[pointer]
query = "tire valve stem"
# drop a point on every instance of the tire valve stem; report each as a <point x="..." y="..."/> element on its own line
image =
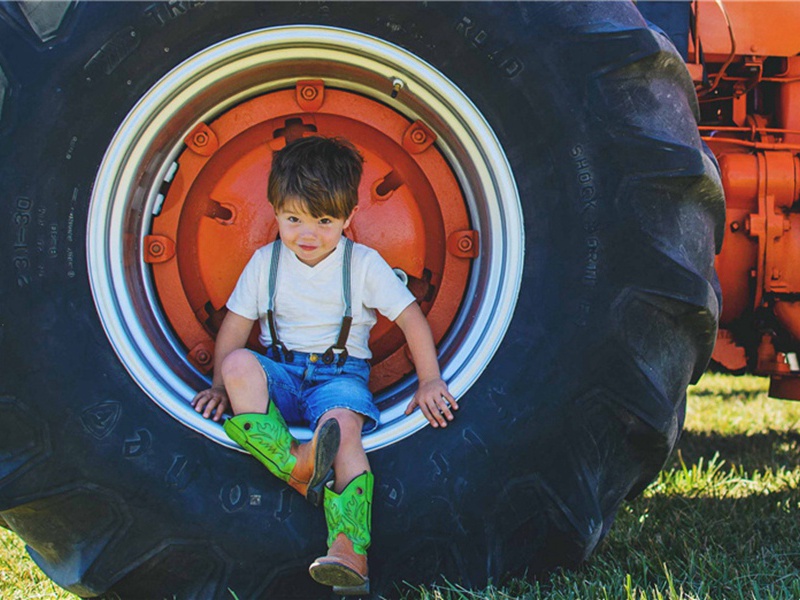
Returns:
<point x="397" y="85"/>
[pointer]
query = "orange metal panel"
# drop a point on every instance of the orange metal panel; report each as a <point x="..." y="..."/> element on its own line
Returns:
<point x="764" y="28"/>
<point x="217" y="212"/>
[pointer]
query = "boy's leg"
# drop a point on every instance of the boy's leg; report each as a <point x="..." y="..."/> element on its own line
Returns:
<point x="351" y="459"/>
<point x="259" y="428"/>
<point x="246" y="382"/>
<point x="348" y="512"/>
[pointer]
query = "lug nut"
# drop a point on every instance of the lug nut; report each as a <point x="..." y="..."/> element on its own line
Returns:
<point x="419" y="137"/>
<point x="200" y="139"/>
<point x="308" y="93"/>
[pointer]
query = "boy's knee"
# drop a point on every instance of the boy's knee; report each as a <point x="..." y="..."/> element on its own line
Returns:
<point x="238" y="365"/>
<point x="350" y="423"/>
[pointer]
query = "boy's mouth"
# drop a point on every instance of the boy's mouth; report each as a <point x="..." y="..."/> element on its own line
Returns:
<point x="307" y="248"/>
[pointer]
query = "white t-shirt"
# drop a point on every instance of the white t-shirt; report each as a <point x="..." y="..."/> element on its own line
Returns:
<point x="309" y="302"/>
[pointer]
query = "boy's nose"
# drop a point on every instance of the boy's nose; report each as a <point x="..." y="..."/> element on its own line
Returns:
<point x="307" y="231"/>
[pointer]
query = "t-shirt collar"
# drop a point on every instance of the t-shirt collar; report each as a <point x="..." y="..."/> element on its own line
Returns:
<point x="322" y="265"/>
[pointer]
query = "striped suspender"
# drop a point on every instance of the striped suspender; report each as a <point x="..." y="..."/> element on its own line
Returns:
<point x="340" y="347"/>
<point x="277" y="345"/>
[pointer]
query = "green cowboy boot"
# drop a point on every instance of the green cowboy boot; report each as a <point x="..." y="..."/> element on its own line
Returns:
<point x="349" y="518"/>
<point x="306" y="467"/>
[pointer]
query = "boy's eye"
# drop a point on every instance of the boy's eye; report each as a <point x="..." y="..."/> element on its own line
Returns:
<point x="293" y="219"/>
<point x="325" y="221"/>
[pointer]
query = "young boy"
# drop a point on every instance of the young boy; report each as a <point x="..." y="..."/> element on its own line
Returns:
<point x="314" y="293"/>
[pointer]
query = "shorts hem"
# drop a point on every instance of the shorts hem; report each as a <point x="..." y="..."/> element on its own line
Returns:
<point x="369" y="426"/>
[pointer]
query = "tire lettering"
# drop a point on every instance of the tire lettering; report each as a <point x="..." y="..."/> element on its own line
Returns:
<point x="20" y="256"/>
<point x="233" y="496"/>
<point x="392" y="492"/>
<point x="587" y="199"/>
<point x="71" y="234"/>
<point x="441" y="465"/>
<point x="138" y="444"/>
<point x="178" y="475"/>
<point x="511" y="67"/>
<point x="164" y="12"/>
<point x="100" y="419"/>
<point x="496" y="50"/>
<point x="464" y="26"/>
<point x="71" y="148"/>
<point x="110" y="55"/>
<point x="475" y="441"/>
<point x="52" y="250"/>
<point x="285" y="505"/>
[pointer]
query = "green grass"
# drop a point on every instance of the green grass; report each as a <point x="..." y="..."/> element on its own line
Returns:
<point x="20" y="578"/>
<point x="720" y="522"/>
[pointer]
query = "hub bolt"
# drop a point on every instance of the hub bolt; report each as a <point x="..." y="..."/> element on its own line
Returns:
<point x="308" y="92"/>
<point x="200" y="139"/>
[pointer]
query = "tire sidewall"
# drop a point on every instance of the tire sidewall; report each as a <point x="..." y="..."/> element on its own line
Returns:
<point x="451" y="486"/>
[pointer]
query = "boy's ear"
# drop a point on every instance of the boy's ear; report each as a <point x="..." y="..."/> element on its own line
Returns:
<point x="350" y="218"/>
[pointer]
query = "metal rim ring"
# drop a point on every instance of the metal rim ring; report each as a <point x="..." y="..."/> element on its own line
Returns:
<point x="146" y="144"/>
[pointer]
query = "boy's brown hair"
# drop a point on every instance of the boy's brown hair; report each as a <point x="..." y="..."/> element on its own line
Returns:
<point x="322" y="173"/>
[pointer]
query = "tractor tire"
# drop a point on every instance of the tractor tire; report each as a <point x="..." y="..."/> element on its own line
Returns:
<point x="577" y="408"/>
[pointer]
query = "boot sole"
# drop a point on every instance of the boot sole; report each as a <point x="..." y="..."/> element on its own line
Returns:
<point x="328" y="440"/>
<point x="344" y="580"/>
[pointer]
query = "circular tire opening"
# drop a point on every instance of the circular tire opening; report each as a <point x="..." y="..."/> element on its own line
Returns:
<point x="180" y="204"/>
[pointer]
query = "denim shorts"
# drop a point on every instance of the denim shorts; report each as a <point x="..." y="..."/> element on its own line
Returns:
<point x="305" y="388"/>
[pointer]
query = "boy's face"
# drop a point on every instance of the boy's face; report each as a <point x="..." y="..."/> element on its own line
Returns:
<point x="310" y="238"/>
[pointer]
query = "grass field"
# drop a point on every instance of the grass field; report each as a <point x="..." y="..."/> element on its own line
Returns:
<point x="722" y="521"/>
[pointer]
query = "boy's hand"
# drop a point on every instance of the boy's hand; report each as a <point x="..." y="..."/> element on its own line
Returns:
<point x="213" y="398"/>
<point x="435" y="402"/>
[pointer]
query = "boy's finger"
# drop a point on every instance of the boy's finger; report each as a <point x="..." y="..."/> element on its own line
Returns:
<point x="448" y="398"/>
<point x="410" y="407"/>
<point x="428" y="415"/>
<point x="444" y="408"/>
<point x="436" y="411"/>
<point x="210" y="406"/>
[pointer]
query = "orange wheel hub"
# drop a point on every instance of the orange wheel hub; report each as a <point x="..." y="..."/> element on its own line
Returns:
<point x="215" y="213"/>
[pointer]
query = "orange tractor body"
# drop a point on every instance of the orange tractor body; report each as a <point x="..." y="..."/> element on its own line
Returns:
<point x="743" y="57"/>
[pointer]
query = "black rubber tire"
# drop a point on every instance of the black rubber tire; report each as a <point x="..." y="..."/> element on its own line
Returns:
<point x="579" y="408"/>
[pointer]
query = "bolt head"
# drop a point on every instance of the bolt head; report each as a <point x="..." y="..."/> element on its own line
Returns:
<point x="200" y="139"/>
<point x="418" y="136"/>
<point x="308" y="92"/>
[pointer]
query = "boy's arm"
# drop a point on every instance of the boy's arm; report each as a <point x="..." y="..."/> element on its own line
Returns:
<point x="232" y="335"/>
<point x="432" y="397"/>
